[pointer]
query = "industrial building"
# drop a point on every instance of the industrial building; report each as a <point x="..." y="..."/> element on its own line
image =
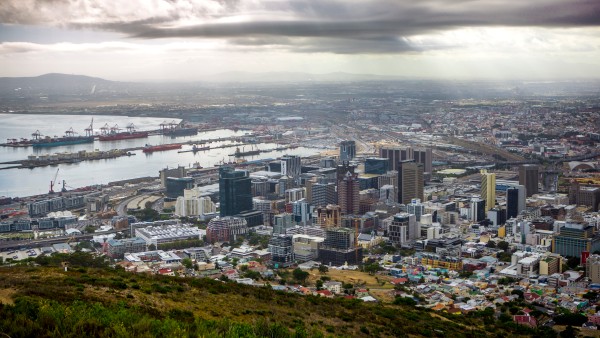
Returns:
<point x="155" y="235"/>
<point x="116" y="248"/>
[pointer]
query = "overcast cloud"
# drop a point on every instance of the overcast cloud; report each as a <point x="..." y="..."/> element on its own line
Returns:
<point x="356" y="30"/>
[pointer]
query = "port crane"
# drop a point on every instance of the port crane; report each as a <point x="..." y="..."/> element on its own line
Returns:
<point x="53" y="182"/>
<point x="89" y="131"/>
<point x="65" y="186"/>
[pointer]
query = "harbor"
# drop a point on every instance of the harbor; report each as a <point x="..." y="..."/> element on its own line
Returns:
<point x="213" y="143"/>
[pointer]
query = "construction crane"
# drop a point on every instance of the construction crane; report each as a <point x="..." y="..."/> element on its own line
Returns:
<point x="53" y="182"/>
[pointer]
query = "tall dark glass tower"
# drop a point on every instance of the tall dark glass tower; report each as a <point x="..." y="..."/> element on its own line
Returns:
<point x="235" y="191"/>
<point x="512" y="202"/>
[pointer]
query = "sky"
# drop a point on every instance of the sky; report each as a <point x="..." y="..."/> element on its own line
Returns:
<point x="192" y="40"/>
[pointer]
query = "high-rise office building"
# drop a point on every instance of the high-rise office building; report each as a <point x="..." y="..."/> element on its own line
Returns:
<point x="515" y="201"/>
<point x="282" y="250"/>
<point x="416" y="208"/>
<point x="497" y="216"/>
<point x="235" y="191"/>
<point x="396" y="155"/>
<point x="291" y="165"/>
<point x="488" y="189"/>
<point x="176" y="185"/>
<point x="574" y="238"/>
<point x="425" y="157"/>
<point x="348" y="194"/>
<point x="302" y="212"/>
<point x="339" y="247"/>
<point x="377" y="165"/>
<point x="281" y="223"/>
<point x="410" y="181"/>
<point x="342" y="169"/>
<point x="329" y="216"/>
<point x="321" y="194"/>
<point x="403" y="228"/>
<point x="478" y="213"/>
<point x="529" y="177"/>
<point x="347" y="150"/>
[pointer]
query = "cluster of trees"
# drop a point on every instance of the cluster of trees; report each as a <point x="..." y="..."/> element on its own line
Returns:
<point x="183" y="244"/>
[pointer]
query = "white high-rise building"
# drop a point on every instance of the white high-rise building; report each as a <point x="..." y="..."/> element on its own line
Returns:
<point x="192" y="204"/>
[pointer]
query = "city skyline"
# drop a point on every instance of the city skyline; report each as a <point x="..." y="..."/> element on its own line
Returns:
<point x="192" y="41"/>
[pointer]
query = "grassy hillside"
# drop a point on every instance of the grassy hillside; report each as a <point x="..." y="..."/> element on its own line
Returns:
<point x="86" y="301"/>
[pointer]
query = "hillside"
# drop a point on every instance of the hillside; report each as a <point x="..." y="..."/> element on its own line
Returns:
<point x="86" y="301"/>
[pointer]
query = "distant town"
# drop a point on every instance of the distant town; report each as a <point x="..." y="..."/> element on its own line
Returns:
<point x="452" y="203"/>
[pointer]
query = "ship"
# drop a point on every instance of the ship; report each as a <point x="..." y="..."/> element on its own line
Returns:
<point x="68" y="139"/>
<point x="150" y="149"/>
<point x="239" y="153"/>
<point x="174" y="129"/>
<point x="181" y="131"/>
<point x="195" y="148"/>
<point x="113" y="134"/>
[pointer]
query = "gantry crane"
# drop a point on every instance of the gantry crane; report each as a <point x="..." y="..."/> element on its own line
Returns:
<point x="53" y="182"/>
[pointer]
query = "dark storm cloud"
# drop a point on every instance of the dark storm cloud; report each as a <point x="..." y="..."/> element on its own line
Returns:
<point x="379" y="26"/>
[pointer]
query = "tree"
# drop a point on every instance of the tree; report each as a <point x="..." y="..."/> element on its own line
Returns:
<point x="151" y="247"/>
<point x="590" y="295"/>
<point x="319" y="284"/>
<point x="518" y="293"/>
<point x="568" y="332"/>
<point x="572" y="262"/>
<point x="187" y="263"/>
<point x="491" y="244"/>
<point x="90" y="229"/>
<point x="300" y="275"/>
<point x="503" y="245"/>
<point x="371" y="268"/>
<point x="323" y="268"/>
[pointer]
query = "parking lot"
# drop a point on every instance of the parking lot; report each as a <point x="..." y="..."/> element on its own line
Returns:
<point x="17" y="255"/>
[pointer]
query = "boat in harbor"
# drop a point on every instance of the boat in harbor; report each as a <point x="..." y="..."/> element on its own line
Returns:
<point x="163" y="147"/>
<point x="69" y="139"/>
<point x="113" y="134"/>
<point x="195" y="148"/>
<point x="174" y="129"/>
<point x="240" y="153"/>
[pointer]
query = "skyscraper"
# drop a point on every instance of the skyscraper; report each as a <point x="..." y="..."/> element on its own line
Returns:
<point x="291" y="165"/>
<point x="348" y="194"/>
<point x="397" y="155"/>
<point x="410" y="181"/>
<point x="376" y="165"/>
<point x="425" y="157"/>
<point x="403" y="228"/>
<point x="235" y="191"/>
<point x="416" y="208"/>
<point x="515" y="201"/>
<point x="347" y="150"/>
<point x="478" y="213"/>
<point x="488" y="189"/>
<point x="529" y="177"/>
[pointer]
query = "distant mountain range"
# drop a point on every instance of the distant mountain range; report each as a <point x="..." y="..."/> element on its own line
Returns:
<point x="51" y="84"/>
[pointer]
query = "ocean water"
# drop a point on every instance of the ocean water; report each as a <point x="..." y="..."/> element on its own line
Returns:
<point x="27" y="182"/>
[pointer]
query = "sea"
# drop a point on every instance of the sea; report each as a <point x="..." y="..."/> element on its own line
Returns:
<point x="28" y="182"/>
